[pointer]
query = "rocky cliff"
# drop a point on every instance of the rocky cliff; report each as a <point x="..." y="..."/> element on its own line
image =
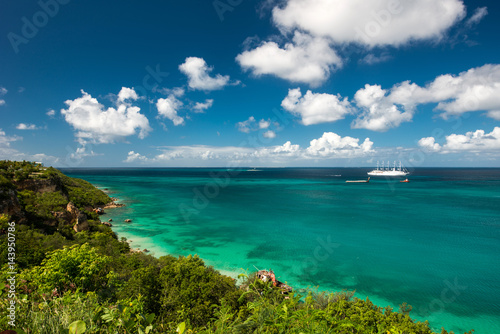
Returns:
<point x="32" y="194"/>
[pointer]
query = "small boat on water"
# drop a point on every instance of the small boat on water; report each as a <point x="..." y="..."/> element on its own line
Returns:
<point x="358" y="181"/>
<point x="405" y="181"/>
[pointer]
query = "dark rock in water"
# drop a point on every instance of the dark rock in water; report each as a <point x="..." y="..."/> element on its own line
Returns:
<point x="128" y="220"/>
<point x="112" y="205"/>
<point x="145" y="250"/>
<point x="110" y="220"/>
<point x="99" y="211"/>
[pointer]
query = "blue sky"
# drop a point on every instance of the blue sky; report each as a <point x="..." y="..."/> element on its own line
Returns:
<point x="250" y="83"/>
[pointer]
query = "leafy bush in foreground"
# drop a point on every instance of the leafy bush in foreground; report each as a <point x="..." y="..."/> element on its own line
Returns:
<point x="70" y="268"/>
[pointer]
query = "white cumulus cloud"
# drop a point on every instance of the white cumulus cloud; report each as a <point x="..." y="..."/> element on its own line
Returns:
<point x="429" y="144"/>
<point x="314" y="108"/>
<point x="372" y="23"/>
<point x="200" y="107"/>
<point x="269" y="134"/>
<point x="474" y="90"/>
<point x="251" y="125"/>
<point x="23" y="126"/>
<point x="474" y="142"/>
<point x="477" y="89"/>
<point x="198" y="73"/>
<point x="127" y="94"/>
<point x="477" y="141"/>
<point x="495" y="114"/>
<point x="306" y="59"/>
<point x="246" y="126"/>
<point x="168" y="108"/>
<point x="333" y="145"/>
<point x="263" y="124"/>
<point x="94" y="123"/>
<point x="378" y="113"/>
<point x="133" y="156"/>
<point x="321" y="29"/>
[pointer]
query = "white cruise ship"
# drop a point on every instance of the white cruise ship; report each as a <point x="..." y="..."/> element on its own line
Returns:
<point x="388" y="170"/>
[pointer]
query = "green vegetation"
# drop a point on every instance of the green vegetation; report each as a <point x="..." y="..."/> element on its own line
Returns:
<point x="90" y="282"/>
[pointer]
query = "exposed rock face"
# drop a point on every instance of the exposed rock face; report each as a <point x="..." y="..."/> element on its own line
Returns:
<point x="35" y="185"/>
<point x="9" y="205"/>
<point x="72" y="209"/>
<point x="80" y="219"/>
<point x="81" y="223"/>
<point x="40" y="185"/>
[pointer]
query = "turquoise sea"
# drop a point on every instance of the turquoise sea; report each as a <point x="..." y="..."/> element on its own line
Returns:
<point x="433" y="242"/>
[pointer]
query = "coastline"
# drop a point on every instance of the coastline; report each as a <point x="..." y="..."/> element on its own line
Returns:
<point x="153" y="212"/>
<point x="144" y="244"/>
<point x="138" y="243"/>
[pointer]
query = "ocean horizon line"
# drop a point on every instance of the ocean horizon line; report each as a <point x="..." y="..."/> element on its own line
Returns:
<point x="266" y="167"/>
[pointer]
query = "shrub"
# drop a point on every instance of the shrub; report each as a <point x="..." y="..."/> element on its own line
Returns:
<point x="78" y="266"/>
<point x="189" y="290"/>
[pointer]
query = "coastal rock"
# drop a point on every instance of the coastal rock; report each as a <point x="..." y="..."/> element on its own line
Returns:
<point x="110" y="220"/>
<point x="107" y="224"/>
<point x="99" y="211"/>
<point x="128" y="220"/>
<point x="112" y="205"/>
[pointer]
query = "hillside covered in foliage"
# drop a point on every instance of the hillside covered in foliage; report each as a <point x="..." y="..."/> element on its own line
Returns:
<point x="75" y="276"/>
